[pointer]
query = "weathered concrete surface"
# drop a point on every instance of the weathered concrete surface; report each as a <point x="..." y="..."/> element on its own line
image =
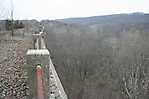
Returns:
<point x="58" y="91"/>
<point x="54" y="88"/>
<point x="35" y="57"/>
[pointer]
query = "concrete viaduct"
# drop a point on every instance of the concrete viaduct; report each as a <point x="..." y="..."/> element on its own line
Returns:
<point x="43" y="80"/>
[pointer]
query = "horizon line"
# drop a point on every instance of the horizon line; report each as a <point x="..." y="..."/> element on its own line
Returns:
<point x="39" y="20"/>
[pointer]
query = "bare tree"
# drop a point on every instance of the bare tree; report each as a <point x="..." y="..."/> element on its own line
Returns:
<point x="135" y="83"/>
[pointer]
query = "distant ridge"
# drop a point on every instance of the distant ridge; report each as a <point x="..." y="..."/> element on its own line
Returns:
<point x="116" y="18"/>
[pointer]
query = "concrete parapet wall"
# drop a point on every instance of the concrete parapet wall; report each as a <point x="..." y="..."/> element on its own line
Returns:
<point x="53" y="88"/>
<point x="35" y="57"/>
<point x="59" y="92"/>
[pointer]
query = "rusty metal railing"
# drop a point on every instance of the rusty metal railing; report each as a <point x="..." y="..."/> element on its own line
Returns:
<point x="40" y="83"/>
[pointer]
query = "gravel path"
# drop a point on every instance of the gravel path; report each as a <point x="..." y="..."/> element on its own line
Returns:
<point x="12" y="75"/>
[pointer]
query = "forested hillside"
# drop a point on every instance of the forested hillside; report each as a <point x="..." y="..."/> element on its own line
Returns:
<point x="102" y="57"/>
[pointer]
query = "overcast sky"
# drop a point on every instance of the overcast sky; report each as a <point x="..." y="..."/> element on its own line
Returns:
<point x="57" y="9"/>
